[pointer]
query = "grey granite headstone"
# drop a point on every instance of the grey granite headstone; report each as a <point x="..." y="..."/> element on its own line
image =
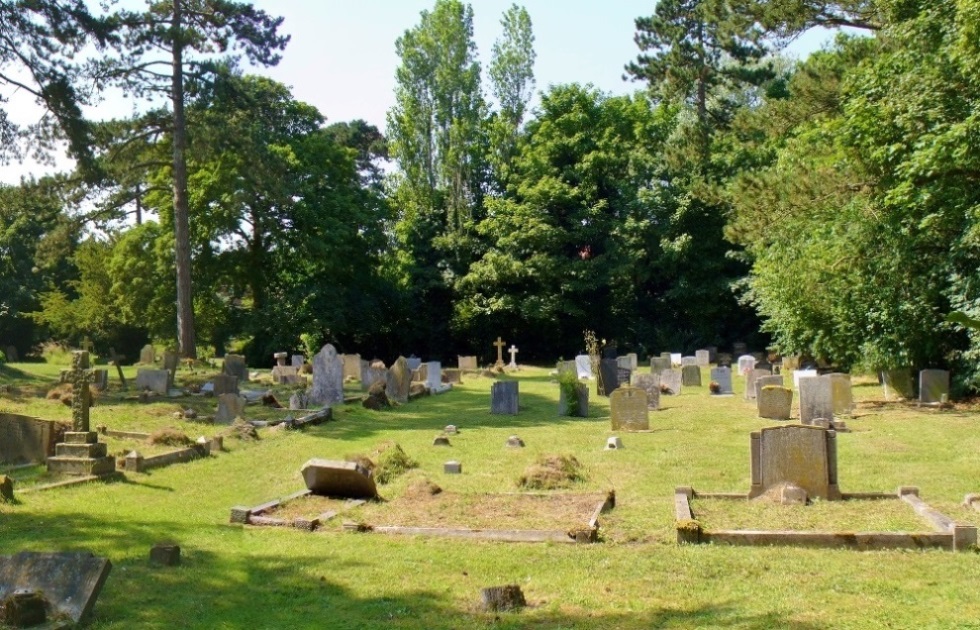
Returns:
<point x="608" y="376"/>
<point x="775" y="402"/>
<point x="148" y="355"/>
<point x="504" y="398"/>
<point x="843" y="397"/>
<point x="691" y="376"/>
<point x="650" y="383"/>
<point x="703" y="358"/>
<point x="230" y="406"/>
<point x="467" y="362"/>
<point x="333" y="478"/>
<point x="399" y="380"/>
<point x="688" y="360"/>
<point x="297" y="360"/>
<point x="746" y="362"/>
<point x="816" y="399"/>
<point x="328" y="377"/>
<point x="583" y="366"/>
<point x="156" y="381"/>
<point x="235" y="366"/>
<point x="723" y="376"/>
<point x="767" y="379"/>
<point x="933" y="386"/>
<point x="671" y="379"/>
<point x="628" y="409"/>
<point x="70" y="582"/>
<point x="750" y="378"/>
<point x="795" y="454"/>
<point x="582" y="402"/>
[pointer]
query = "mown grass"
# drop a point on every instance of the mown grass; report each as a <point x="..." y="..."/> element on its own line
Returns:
<point x="235" y="577"/>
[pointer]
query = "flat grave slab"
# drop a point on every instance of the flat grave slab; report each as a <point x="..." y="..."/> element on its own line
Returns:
<point x="70" y="582"/>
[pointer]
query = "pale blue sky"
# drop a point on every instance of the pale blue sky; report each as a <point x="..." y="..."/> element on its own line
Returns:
<point x="342" y="54"/>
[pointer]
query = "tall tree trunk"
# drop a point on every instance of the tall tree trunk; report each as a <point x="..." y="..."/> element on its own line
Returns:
<point x="185" y="295"/>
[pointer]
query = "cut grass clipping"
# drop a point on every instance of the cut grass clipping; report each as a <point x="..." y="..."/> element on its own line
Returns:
<point x="386" y="462"/>
<point x="551" y="472"/>
<point x="170" y="436"/>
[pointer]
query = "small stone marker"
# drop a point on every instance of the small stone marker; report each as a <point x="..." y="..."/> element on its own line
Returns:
<point x="691" y="376"/>
<point x="157" y="381"/>
<point x="628" y="410"/>
<point x="816" y="399"/>
<point x="450" y="429"/>
<point x="501" y="598"/>
<point x="614" y="444"/>
<point x="722" y="376"/>
<point x="328" y="377"/>
<point x="746" y="362"/>
<point x="466" y="363"/>
<point x="513" y="357"/>
<point x="452" y="468"/>
<point x="933" y="386"/>
<point x="280" y="358"/>
<point x="702" y="358"/>
<point x="440" y="440"/>
<point x="843" y="397"/>
<point x="70" y="582"/>
<point x="650" y="383"/>
<point x="671" y="379"/>
<point x="775" y="403"/>
<point x="515" y="442"/>
<point x="399" y="379"/>
<point x="583" y="366"/>
<point x="165" y="554"/>
<point x="504" y="398"/>
<point x="333" y="478"/>
<point x="230" y="406"/>
<point x="799" y="455"/>
<point x="499" y="343"/>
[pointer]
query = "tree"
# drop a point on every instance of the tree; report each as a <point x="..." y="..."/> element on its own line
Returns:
<point x="184" y="36"/>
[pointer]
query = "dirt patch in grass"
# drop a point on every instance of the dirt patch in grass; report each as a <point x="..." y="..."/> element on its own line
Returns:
<point x="309" y="506"/>
<point x="483" y="511"/>
<point x="884" y="515"/>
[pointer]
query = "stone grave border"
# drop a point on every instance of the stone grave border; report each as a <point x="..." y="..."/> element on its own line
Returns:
<point x="588" y="533"/>
<point x="115" y="475"/>
<point x="946" y="534"/>
<point x="257" y="515"/>
<point x="181" y="455"/>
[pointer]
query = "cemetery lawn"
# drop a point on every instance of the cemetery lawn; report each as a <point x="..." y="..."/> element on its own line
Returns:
<point x="636" y="576"/>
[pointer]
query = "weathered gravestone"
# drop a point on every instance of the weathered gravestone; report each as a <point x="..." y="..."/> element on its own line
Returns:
<point x="691" y="376"/>
<point x="580" y="407"/>
<point x="285" y="375"/>
<point x="433" y="378"/>
<point x="399" y="380"/>
<point x="566" y="367"/>
<point x="702" y="358"/>
<point x="230" y="406"/>
<point x="157" y="381"/>
<point x="746" y="362"/>
<point x="333" y="478"/>
<point x="633" y="361"/>
<point x="24" y="439"/>
<point x="235" y="366"/>
<point x="504" y="397"/>
<point x="352" y="366"/>
<point x="328" y="377"/>
<point x="775" y="402"/>
<point x="452" y="376"/>
<point x="688" y="360"/>
<point x="650" y="383"/>
<point x="843" y="397"/>
<point x="466" y="363"/>
<point x="659" y="364"/>
<point x="816" y="399"/>
<point x="751" y="376"/>
<point x="628" y="409"/>
<point x="421" y="373"/>
<point x="722" y="376"/>
<point x="100" y="379"/>
<point x="171" y="360"/>
<point x="414" y="362"/>
<point x="371" y="373"/>
<point x="766" y="380"/>
<point x="297" y="360"/>
<point x="799" y="455"/>
<point x="897" y="384"/>
<point x="608" y="376"/>
<point x="148" y="355"/>
<point x="69" y="582"/>
<point x="225" y="384"/>
<point x="670" y="382"/>
<point x="933" y="386"/>
<point x="800" y="374"/>
<point x="623" y="362"/>
<point x="583" y="366"/>
<point x="513" y="358"/>
<point x="12" y="355"/>
<point x="299" y="400"/>
<point x="712" y="353"/>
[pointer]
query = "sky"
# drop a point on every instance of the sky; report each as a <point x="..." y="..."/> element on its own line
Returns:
<point x="341" y="57"/>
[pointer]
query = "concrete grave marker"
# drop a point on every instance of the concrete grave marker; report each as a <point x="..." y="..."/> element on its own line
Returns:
<point x="583" y="366"/>
<point x="765" y="380"/>
<point x="650" y="383"/>
<point x="702" y="358"/>
<point x="816" y="399"/>
<point x="399" y="380"/>
<point x="230" y="406"/>
<point x="933" y="386"/>
<point x="352" y="366"/>
<point x="157" y="381"/>
<point x="751" y="376"/>
<point x="328" y="377"/>
<point x="723" y="376"/>
<point x="333" y="478"/>
<point x="795" y="454"/>
<point x="225" y="384"/>
<point x="691" y="376"/>
<point x="148" y="355"/>
<point x="897" y="384"/>
<point x="671" y="379"/>
<point x="504" y="398"/>
<point x="843" y="396"/>
<point x="775" y="402"/>
<point x="69" y="582"/>
<point x="628" y="409"/>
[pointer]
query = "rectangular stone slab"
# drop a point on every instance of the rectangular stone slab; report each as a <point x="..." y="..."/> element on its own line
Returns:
<point x="70" y="582"/>
<point x="333" y="478"/>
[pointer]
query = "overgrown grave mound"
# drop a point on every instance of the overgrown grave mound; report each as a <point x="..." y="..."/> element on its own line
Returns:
<point x="552" y="472"/>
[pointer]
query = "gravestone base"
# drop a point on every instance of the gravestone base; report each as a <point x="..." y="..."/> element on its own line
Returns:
<point x="81" y="454"/>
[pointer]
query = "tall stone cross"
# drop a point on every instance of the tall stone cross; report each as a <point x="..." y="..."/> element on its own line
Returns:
<point x="87" y="344"/>
<point x="500" y="352"/>
<point x="513" y="354"/>
<point x="81" y="398"/>
<point x="117" y="361"/>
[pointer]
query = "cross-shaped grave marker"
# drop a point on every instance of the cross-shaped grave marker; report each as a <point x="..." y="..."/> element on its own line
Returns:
<point x="86" y="344"/>
<point x="81" y="398"/>
<point x="500" y="352"/>
<point x="117" y="360"/>
<point x="513" y="354"/>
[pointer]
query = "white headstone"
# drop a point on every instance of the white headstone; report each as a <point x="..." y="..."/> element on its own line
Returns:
<point x="746" y="362"/>
<point x="433" y="378"/>
<point x="583" y="366"/>
<point x="513" y="357"/>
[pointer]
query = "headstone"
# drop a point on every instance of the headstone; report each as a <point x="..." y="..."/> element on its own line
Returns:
<point x="372" y="373"/>
<point x="165" y="554"/>
<point x="81" y="398"/>
<point x="723" y="376"/>
<point x="712" y="354"/>
<point x="399" y="380"/>
<point x="666" y="355"/>
<point x="583" y="366"/>
<point x="724" y="359"/>
<point x="691" y="376"/>
<point x="466" y="363"/>
<point x="235" y="366"/>
<point x="608" y="376"/>
<point x="421" y="373"/>
<point x="171" y="360"/>
<point x="751" y="376"/>
<point x="650" y="383"/>
<point x="675" y="358"/>
<point x="414" y="362"/>
<point x="623" y="362"/>
<point x="702" y="357"/>
<point x="775" y="403"/>
<point x="798" y="374"/>
<point x="299" y="400"/>
<point x="686" y="361"/>
<point x="897" y="384"/>
<point x="633" y="360"/>
<point x="328" y="377"/>
<point x="766" y="380"/>
<point x="581" y="402"/>
<point x="504" y="398"/>
<point x="746" y="362"/>
<point x="933" y="386"/>
<point x="795" y="454"/>
<point x="514" y="442"/>
<point x="628" y="409"/>
<point x="452" y="468"/>
<point x="566" y="367"/>
<point x="659" y="364"/>
<point x="230" y="406"/>
<point x="86" y="344"/>
<point x="816" y="399"/>
<point x="452" y="376"/>
<point x="225" y="384"/>
<point x="672" y="381"/>
<point x="843" y="397"/>
<point x="352" y="366"/>
<point x="610" y="350"/>
<point x="157" y="381"/>
<point x="280" y="357"/>
<point x="12" y="355"/>
<point x="297" y="360"/>
<point x="100" y="379"/>
<point x="333" y="478"/>
<point x="513" y="358"/>
<point x="284" y="375"/>
<point x="433" y="378"/>
<point x="739" y="348"/>
<point x="70" y="582"/>
<point x="499" y="343"/>
<point x="623" y="376"/>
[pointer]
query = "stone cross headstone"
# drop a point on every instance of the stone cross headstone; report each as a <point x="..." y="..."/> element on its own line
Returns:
<point x="297" y="360"/>
<point x="399" y="381"/>
<point x="467" y="362"/>
<point x="800" y="374"/>
<point x="933" y="386"/>
<point x="499" y="343"/>
<point x="751" y="376"/>
<point x="723" y="376"/>
<point x="799" y="455"/>
<point x="86" y="344"/>
<point x="766" y="380"/>
<point x="583" y="366"/>
<point x="775" y="402"/>
<point x="235" y="366"/>
<point x="672" y="381"/>
<point x="328" y="377"/>
<point x="691" y="376"/>
<point x="816" y="399"/>
<point x="608" y="376"/>
<point x="230" y="406"/>
<point x="117" y="361"/>
<point x="628" y="409"/>
<point x="148" y="355"/>
<point x="504" y="398"/>
<point x="650" y="383"/>
<point x="352" y="366"/>
<point x="513" y="357"/>
<point x="746" y="362"/>
<point x="81" y="398"/>
<point x="843" y="397"/>
<point x="702" y="357"/>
